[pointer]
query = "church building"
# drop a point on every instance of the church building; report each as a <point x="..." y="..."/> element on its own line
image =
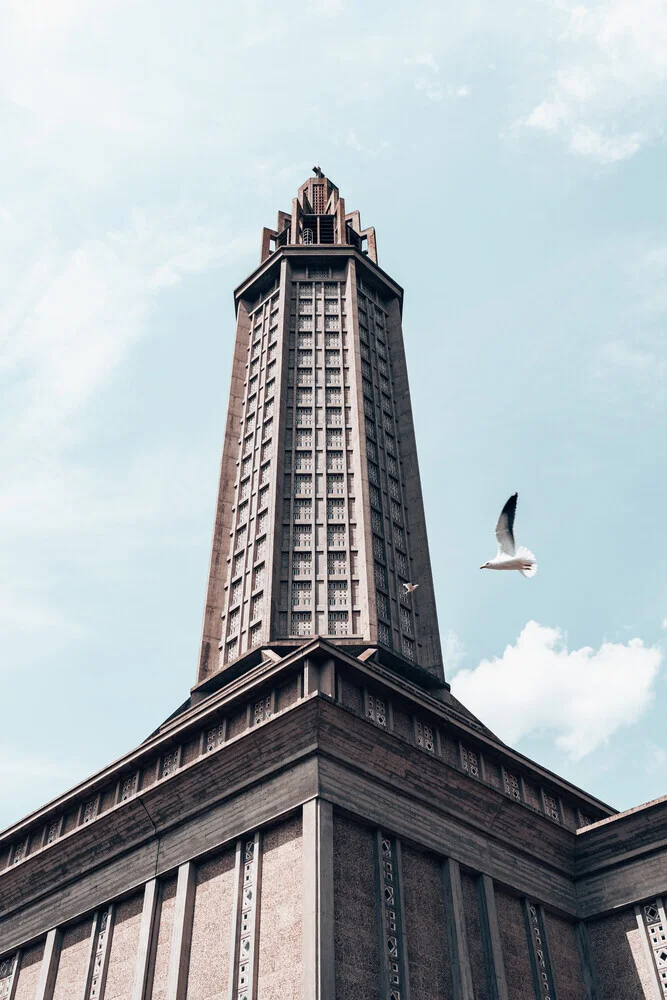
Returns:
<point x="322" y="819"/>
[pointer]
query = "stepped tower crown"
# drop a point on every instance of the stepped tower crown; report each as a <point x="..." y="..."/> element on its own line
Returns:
<point x="320" y="520"/>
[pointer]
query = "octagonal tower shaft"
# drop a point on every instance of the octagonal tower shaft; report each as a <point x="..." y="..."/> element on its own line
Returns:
<point x="320" y="520"/>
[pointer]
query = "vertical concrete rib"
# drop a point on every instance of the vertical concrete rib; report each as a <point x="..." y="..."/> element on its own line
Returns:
<point x="145" y="938"/>
<point x="491" y="938"/>
<point x="234" y="930"/>
<point x="587" y="966"/>
<point x="181" y="935"/>
<point x="49" y="968"/>
<point x="456" y="931"/>
<point x="245" y="920"/>
<point x="318" y="921"/>
<point x="100" y="947"/>
<point x="402" y="932"/>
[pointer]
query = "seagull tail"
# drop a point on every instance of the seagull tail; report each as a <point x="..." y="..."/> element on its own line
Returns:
<point x="526" y="554"/>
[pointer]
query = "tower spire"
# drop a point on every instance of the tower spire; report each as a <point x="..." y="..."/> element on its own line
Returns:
<point x="320" y="521"/>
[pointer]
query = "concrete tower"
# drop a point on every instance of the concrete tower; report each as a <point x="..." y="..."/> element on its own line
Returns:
<point x="321" y="819"/>
<point x="320" y="520"/>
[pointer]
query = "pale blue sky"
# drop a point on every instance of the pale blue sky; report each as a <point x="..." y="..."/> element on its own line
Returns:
<point x="511" y="156"/>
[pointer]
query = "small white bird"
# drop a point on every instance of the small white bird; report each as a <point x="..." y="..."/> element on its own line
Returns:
<point x="409" y="587"/>
<point x="508" y="557"/>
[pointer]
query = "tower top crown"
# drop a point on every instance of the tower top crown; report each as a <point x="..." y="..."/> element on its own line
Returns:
<point x="318" y="218"/>
<point x="319" y="195"/>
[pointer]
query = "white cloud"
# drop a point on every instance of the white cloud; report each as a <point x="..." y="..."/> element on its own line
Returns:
<point x="580" y="696"/>
<point x="610" y="71"/>
<point x="655" y="758"/>
<point x="433" y="89"/>
<point x="639" y="352"/>
<point x="352" y="140"/>
<point x="30" y="778"/>
<point x="452" y="652"/>
<point x="65" y="330"/>
<point x="326" y="8"/>
<point x="619" y="355"/>
<point x="76" y="315"/>
<point x="607" y="148"/>
<point x="426" y="59"/>
<point x="15" y="768"/>
<point x="428" y="82"/>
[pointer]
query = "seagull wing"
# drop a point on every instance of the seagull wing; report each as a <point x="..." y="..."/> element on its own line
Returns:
<point x="505" y="527"/>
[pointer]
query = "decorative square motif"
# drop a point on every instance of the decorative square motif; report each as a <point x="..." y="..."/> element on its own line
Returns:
<point x="376" y="710"/>
<point x="214" y="738"/>
<point x="425" y="737"/>
<point x="129" y="788"/>
<point x="89" y="811"/>
<point x="551" y="807"/>
<point x="52" y="834"/>
<point x="470" y="762"/>
<point x="512" y="786"/>
<point x="169" y="763"/>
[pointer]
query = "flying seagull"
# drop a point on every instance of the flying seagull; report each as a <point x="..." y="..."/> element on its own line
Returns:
<point x="508" y="557"/>
<point x="409" y="587"/>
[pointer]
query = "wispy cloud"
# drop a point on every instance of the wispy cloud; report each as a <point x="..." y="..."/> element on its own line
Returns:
<point x="453" y="651"/>
<point x="379" y="148"/>
<point x="620" y="356"/>
<point x="609" y="74"/>
<point x="655" y="758"/>
<point x="428" y="80"/>
<point x="75" y="317"/>
<point x="539" y="687"/>
<point x="639" y="351"/>
<point x="66" y="330"/>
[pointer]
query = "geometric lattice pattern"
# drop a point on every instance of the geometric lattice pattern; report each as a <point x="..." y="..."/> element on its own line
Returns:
<point x="654" y="923"/>
<point x="512" y="785"/>
<point x="539" y="952"/>
<point x="424" y="736"/>
<point x="244" y="613"/>
<point x="551" y="808"/>
<point x="388" y="510"/>
<point x="318" y="594"/>
<point x="246" y="952"/>
<point x="7" y="973"/>
<point x="470" y="762"/>
<point x="376" y="710"/>
<point x="99" y="958"/>
<point x="390" y="919"/>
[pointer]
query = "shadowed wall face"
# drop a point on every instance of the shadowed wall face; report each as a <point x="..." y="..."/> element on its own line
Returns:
<point x="515" y="945"/>
<point x="622" y="963"/>
<point x="565" y="959"/>
<point x="428" y="945"/>
<point x="478" y="959"/>
<point x="355" y="912"/>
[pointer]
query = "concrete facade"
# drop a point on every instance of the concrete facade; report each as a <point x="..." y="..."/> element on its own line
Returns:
<point x="320" y="520"/>
<point x="322" y="819"/>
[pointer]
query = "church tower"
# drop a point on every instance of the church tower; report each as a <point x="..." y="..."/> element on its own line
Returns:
<point x="321" y="819"/>
<point x="320" y="521"/>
